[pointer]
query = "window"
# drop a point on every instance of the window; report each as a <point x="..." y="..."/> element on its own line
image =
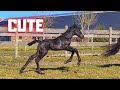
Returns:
<point x="37" y="38"/>
<point x="5" y="38"/>
<point x="20" y="37"/>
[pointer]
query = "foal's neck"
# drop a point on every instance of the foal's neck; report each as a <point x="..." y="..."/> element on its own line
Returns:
<point x="68" y="34"/>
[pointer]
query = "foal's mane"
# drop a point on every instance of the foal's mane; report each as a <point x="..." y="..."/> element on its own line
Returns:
<point x="72" y="27"/>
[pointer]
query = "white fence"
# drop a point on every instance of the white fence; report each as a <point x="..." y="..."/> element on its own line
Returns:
<point x="56" y="32"/>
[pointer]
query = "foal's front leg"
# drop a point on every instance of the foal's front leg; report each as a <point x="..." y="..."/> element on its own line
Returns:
<point x="73" y="50"/>
<point x="70" y="59"/>
<point x="79" y="59"/>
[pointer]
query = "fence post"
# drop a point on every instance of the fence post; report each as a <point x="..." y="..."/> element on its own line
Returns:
<point x="116" y="39"/>
<point x="110" y="36"/>
<point x="66" y="52"/>
<point x="92" y="41"/>
<point x="25" y="43"/>
<point x="16" y="44"/>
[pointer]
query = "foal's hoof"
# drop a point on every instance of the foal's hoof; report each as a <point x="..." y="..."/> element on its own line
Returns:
<point x="78" y="64"/>
<point x="40" y="72"/>
<point x="21" y="71"/>
<point x="67" y="61"/>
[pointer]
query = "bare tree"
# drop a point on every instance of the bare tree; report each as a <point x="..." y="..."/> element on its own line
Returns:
<point x="48" y="22"/>
<point x="80" y="20"/>
<point x="48" y="19"/>
<point x="85" y="20"/>
<point x="91" y="19"/>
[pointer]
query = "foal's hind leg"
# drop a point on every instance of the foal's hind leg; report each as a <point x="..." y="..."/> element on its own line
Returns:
<point x="29" y="60"/>
<point x="37" y="60"/>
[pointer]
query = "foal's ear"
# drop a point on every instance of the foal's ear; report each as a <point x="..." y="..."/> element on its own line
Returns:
<point x="75" y="25"/>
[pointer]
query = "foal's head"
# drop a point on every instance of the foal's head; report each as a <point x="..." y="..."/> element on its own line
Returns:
<point x="77" y="31"/>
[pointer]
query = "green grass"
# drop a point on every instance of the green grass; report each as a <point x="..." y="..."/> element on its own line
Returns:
<point x="5" y="50"/>
<point x="92" y="67"/>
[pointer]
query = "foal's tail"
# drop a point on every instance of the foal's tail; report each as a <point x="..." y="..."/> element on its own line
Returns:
<point x="33" y="42"/>
<point x="113" y="49"/>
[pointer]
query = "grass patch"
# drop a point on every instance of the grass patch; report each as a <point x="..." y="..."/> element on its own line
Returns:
<point x="10" y="50"/>
<point x="92" y="67"/>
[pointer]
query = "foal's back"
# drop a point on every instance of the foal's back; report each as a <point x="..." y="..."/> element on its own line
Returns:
<point x="55" y="44"/>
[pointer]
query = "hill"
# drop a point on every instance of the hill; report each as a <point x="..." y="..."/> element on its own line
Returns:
<point x="107" y="19"/>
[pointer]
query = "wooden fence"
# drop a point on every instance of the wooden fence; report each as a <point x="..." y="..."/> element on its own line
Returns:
<point x="56" y="32"/>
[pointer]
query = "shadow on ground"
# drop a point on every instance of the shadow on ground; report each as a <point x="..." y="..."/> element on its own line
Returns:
<point x="63" y="69"/>
<point x="107" y="65"/>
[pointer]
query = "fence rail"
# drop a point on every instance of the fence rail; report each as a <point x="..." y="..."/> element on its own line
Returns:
<point x="57" y="32"/>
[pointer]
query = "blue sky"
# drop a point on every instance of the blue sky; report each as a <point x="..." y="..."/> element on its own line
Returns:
<point x="8" y="14"/>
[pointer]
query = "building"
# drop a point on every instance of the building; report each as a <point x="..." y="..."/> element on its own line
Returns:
<point x="106" y="18"/>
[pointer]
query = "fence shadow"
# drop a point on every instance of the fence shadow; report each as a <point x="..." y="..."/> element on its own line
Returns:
<point x="108" y="65"/>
